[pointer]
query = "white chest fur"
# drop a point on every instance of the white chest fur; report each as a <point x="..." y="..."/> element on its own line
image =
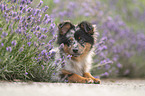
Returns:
<point x="79" y="67"/>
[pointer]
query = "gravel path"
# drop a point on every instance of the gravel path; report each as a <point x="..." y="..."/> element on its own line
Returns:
<point x="106" y="88"/>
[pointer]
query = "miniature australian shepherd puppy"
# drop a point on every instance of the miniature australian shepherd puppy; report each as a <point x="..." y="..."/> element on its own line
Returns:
<point x="78" y="42"/>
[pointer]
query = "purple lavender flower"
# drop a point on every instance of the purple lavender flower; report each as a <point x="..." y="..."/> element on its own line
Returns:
<point x="119" y="65"/>
<point x="41" y="44"/>
<point x="57" y="61"/>
<point x="29" y="43"/>
<point x="52" y="25"/>
<point x="44" y="30"/>
<point x="53" y="40"/>
<point x="17" y="18"/>
<point x="29" y="10"/>
<point x="4" y="34"/>
<point x="52" y="53"/>
<point x="45" y="8"/>
<point x="26" y="73"/>
<point x="12" y="1"/>
<point x="48" y="47"/>
<point x="21" y="49"/>
<point x="104" y="47"/>
<point x="47" y="21"/>
<point x="42" y="37"/>
<point x="29" y="18"/>
<point x="14" y="14"/>
<point x="106" y="74"/>
<point x="18" y="31"/>
<point x="6" y="15"/>
<point x="14" y="43"/>
<point x="38" y="34"/>
<point x="2" y="44"/>
<point x="87" y="14"/>
<point x="107" y="66"/>
<point x="56" y="1"/>
<point x="40" y="3"/>
<point x="9" y="49"/>
<point x="63" y="63"/>
<point x="115" y="58"/>
<point x="23" y="2"/>
<point x="43" y="52"/>
<point x="69" y="56"/>
<point x="37" y="28"/>
<point x="46" y="17"/>
<point x="24" y="9"/>
<point x="37" y="11"/>
<point x="3" y="7"/>
<point x="32" y="30"/>
<point x="1" y="29"/>
<point x="29" y="36"/>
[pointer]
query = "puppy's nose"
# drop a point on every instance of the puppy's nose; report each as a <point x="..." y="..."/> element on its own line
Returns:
<point x="75" y="50"/>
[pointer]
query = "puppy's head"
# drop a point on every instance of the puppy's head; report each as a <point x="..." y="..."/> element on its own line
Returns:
<point x="77" y="39"/>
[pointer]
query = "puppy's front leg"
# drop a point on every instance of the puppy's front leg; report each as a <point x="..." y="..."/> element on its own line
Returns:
<point x="74" y="78"/>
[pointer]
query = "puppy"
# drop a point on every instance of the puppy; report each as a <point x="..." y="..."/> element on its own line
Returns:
<point x="78" y="41"/>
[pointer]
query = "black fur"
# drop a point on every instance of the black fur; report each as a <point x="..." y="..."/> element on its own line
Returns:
<point x="82" y="35"/>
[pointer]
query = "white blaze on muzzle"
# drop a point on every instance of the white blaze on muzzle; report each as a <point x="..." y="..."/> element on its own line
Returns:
<point x="74" y="43"/>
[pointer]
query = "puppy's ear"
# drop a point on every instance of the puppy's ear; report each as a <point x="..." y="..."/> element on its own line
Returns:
<point x="64" y="27"/>
<point x="87" y="27"/>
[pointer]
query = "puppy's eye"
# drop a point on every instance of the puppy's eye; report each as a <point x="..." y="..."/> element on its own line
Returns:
<point x="69" y="42"/>
<point x="79" y="38"/>
<point x="81" y="41"/>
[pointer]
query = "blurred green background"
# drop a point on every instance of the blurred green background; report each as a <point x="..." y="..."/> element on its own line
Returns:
<point x="127" y="9"/>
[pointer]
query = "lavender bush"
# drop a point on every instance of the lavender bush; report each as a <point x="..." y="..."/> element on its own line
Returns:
<point x="26" y="36"/>
<point x="128" y="52"/>
<point x="132" y="12"/>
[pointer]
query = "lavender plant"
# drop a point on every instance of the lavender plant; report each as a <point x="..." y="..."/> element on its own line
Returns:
<point x="27" y="35"/>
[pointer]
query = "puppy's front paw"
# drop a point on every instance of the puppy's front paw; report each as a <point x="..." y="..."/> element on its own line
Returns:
<point x="97" y="81"/>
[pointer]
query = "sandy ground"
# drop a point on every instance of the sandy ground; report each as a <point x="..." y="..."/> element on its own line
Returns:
<point x="106" y="88"/>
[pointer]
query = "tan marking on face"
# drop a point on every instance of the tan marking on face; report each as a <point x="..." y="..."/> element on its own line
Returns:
<point x="66" y="49"/>
<point x="84" y="51"/>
